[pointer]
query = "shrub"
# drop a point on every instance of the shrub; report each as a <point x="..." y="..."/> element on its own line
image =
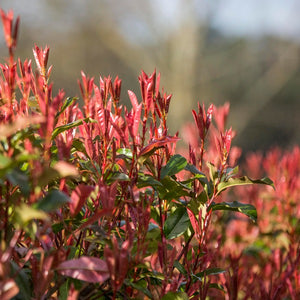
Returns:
<point x="96" y="203"/>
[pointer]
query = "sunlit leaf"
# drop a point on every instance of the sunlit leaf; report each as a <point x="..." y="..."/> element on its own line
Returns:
<point x="242" y="181"/>
<point x="24" y="213"/>
<point x="246" y="209"/>
<point x="158" y="143"/>
<point x="65" y="169"/>
<point x="4" y="161"/>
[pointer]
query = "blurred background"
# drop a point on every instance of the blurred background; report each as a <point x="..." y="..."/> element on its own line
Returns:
<point x="212" y="51"/>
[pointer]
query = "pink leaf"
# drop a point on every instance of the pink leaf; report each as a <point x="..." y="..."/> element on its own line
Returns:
<point x="90" y="269"/>
<point x="133" y="99"/>
<point x="78" y="197"/>
<point x="157" y="143"/>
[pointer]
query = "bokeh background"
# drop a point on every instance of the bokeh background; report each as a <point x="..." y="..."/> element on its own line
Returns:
<point x="212" y="51"/>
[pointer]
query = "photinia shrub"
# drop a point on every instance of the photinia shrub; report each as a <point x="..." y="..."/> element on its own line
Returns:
<point x="97" y="204"/>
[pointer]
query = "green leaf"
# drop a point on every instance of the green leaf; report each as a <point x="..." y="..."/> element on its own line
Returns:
<point x="119" y="176"/>
<point x="4" y="161"/>
<point x="66" y="104"/>
<point x="18" y="178"/>
<point x="211" y="271"/>
<point x="147" y="180"/>
<point x="22" y="280"/>
<point x="246" y="209"/>
<point x="175" y="296"/>
<point x="242" y="181"/>
<point x="177" y="223"/>
<point x="125" y="152"/>
<point x="199" y="176"/>
<point x="141" y="286"/>
<point x="76" y="123"/>
<point x="24" y="213"/>
<point x="217" y="286"/>
<point x="180" y="267"/>
<point x="172" y="189"/>
<point x="176" y="164"/>
<point x="53" y="200"/>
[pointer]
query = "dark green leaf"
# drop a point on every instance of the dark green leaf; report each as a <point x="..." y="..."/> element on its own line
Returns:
<point x="176" y="164"/>
<point x="141" y="286"/>
<point x="175" y="296"/>
<point x="246" y="209"/>
<point x="217" y="286"/>
<point x="172" y="189"/>
<point x="199" y="176"/>
<point x="242" y="181"/>
<point x="180" y="267"/>
<point x="211" y="271"/>
<point x="177" y="223"/>
<point x="147" y="180"/>
<point x="22" y="280"/>
<point x="18" y="178"/>
<point x="53" y="200"/>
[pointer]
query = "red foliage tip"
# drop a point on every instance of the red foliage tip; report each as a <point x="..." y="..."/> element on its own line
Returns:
<point x="41" y="58"/>
<point x="10" y="31"/>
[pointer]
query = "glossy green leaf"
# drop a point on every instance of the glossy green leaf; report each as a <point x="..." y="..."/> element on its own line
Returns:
<point x="176" y="223"/>
<point x="175" y="296"/>
<point x="53" y="200"/>
<point x="172" y="189"/>
<point x="246" y="209"/>
<point x="69" y="101"/>
<point x="68" y="126"/>
<point x="242" y="181"/>
<point x="176" y="164"/>
<point x="199" y="176"/>
<point x="148" y="180"/>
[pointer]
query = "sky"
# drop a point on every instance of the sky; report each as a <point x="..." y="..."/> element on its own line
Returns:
<point x="232" y="17"/>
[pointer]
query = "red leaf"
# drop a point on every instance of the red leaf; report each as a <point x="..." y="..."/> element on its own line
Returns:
<point x="157" y="143"/>
<point x="90" y="269"/>
<point x="194" y="222"/>
<point x="78" y="197"/>
<point x="133" y="99"/>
